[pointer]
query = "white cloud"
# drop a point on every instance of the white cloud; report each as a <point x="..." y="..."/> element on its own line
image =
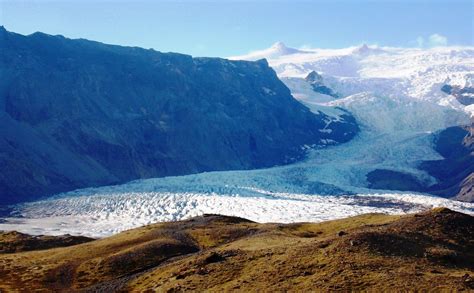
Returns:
<point x="436" y="40"/>
<point x="420" y="41"/>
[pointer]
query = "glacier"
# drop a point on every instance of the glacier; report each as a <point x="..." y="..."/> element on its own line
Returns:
<point x="395" y="96"/>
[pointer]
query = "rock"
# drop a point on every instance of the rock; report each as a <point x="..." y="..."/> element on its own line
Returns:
<point x="464" y="95"/>
<point x="468" y="281"/>
<point x="213" y="258"/>
<point x="317" y="83"/>
<point x="202" y="271"/>
<point x="341" y="233"/>
<point x="455" y="173"/>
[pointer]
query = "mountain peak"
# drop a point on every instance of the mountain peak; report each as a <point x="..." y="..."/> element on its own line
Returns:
<point x="365" y="49"/>
<point x="279" y="46"/>
<point x="275" y="51"/>
<point x="313" y="76"/>
<point x="279" y="49"/>
<point x="362" y="49"/>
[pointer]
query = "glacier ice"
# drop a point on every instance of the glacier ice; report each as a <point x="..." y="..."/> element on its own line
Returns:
<point x="394" y="94"/>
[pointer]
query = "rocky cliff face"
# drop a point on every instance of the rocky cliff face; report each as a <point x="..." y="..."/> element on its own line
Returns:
<point x="317" y="84"/>
<point x="77" y="113"/>
<point x="455" y="173"/>
<point x="465" y="95"/>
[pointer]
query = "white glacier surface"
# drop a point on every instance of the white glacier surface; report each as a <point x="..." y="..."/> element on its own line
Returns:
<point x="329" y="184"/>
<point x="106" y="213"/>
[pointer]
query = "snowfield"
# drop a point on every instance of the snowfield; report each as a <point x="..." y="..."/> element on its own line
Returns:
<point x="382" y="71"/>
<point x="395" y="96"/>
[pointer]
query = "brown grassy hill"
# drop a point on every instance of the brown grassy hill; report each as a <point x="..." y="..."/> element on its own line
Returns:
<point x="430" y="250"/>
<point x="17" y="242"/>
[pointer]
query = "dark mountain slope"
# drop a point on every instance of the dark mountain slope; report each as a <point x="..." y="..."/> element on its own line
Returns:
<point x="465" y="95"/>
<point x="317" y="84"/>
<point x="454" y="173"/>
<point x="76" y="113"/>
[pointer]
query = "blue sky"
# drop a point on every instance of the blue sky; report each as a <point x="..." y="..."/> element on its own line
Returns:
<point x="225" y="28"/>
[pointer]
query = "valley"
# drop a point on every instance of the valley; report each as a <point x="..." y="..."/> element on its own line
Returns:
<point x="393" y="119"/>
<point x="236" y="146"/>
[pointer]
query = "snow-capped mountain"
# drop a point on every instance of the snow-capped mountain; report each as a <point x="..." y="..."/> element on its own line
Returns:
<point x="277" y="50"/>
<point x="391" y="91"/>
<point x="408" y="72"/>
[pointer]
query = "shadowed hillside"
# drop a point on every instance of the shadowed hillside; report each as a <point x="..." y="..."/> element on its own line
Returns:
<point x="18" y="242"/>
<point x="430" y="250"/>
<point x="454" y="173"/>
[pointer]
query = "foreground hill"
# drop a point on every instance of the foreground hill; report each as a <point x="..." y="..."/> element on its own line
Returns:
<point x="430" y="250"/>
<point x="77" y="113"/>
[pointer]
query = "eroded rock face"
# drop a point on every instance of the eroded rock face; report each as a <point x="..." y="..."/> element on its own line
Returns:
<point x="454" y="173"/>
<point x="77" y="113"/>
<point x="465" y="95"/>
<point x="317" y="84"/>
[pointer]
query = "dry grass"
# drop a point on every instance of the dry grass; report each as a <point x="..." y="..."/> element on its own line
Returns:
<point x="432" y="250"/>
<point x="18" y="242"/>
